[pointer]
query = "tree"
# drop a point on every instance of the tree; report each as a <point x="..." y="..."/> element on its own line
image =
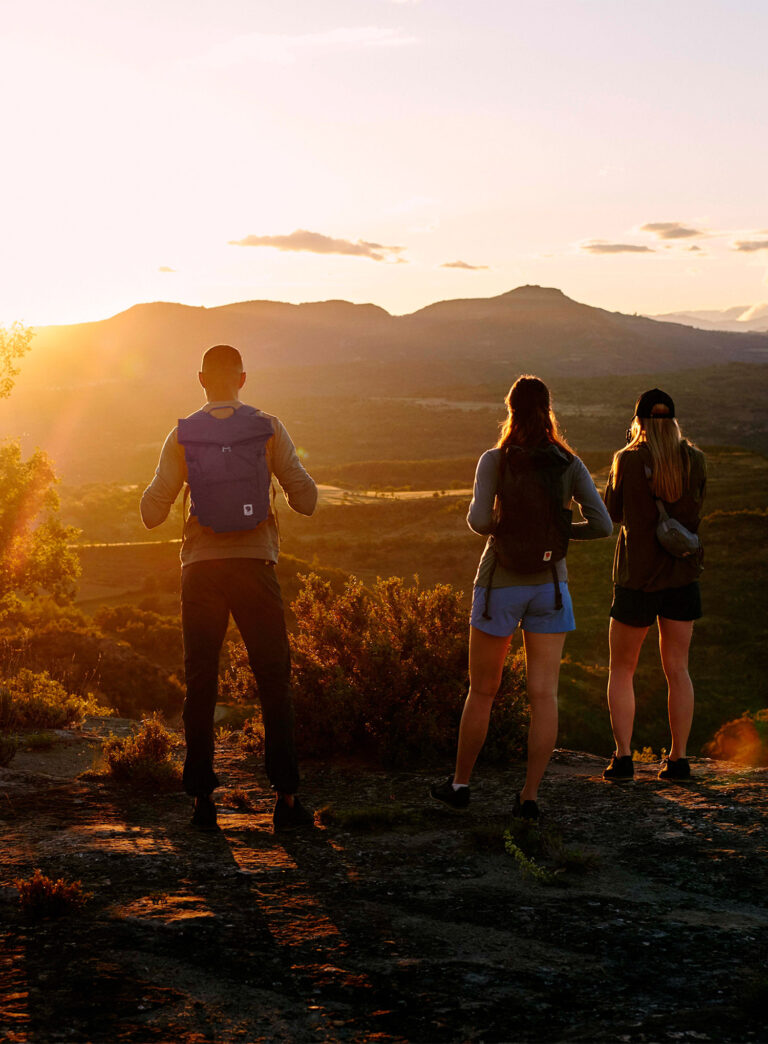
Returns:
<point x="14" y="342"/>
<point x="34" y="556"/>
<point x="34" y="552"/>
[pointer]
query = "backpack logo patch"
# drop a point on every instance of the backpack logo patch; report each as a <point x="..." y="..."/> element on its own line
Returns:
<point x="547" y="556"/>
<point x="248" y="509"/>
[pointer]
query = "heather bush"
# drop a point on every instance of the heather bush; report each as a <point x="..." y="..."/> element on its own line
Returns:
<point x="144" y="758"/>
<point x="35" y="700"/>
<point x="382" y="672"/>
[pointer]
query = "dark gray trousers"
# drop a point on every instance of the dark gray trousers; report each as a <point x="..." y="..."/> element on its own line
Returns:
<point x="248" y="589"/>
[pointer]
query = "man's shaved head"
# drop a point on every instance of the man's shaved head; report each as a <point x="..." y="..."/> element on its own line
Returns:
<point x="222" y="359"/>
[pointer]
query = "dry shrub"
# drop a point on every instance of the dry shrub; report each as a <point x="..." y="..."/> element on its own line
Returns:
<point x="250" y="738"/>
<point x="145" y="758"/>
<point x="744" y="740"/>
<point x="41" y="896"/>
<point x="382" y="672"/>
<point x="35" y="700"/>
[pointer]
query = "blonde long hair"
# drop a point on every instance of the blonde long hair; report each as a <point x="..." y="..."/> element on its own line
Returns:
<point x="668" y="448"/>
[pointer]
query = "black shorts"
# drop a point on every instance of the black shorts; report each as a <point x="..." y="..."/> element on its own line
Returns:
<point x="640" y="608"/>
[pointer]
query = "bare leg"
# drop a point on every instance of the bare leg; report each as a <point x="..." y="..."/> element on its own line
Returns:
<point x="543" y="653"/>
<point x="625" y="643"/>
<point x="487" y="653"/>
<point x="674" y="643"/>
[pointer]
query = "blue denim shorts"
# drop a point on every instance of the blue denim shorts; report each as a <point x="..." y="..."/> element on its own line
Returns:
<point x="533" y="607"/>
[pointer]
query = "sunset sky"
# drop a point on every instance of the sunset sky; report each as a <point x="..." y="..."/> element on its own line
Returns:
<point x="393" y="151"/>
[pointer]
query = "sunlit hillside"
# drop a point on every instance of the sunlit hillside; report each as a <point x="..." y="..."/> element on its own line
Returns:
<point x="100" y="397"/>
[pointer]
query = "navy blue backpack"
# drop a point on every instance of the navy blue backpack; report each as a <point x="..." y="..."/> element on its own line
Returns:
<point x="227" y="471"/>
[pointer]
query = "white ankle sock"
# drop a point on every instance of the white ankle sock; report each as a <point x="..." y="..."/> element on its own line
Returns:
<point x="458" y="786"/>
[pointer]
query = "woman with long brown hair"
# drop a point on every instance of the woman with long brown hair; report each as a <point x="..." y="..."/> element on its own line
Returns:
<point x="523" y="490"/>
<point x="651" y="584"/>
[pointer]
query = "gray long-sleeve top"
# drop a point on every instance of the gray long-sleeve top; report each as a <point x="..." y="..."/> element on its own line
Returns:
<point x="200" y="543"/>
<point x="577" y="486"/>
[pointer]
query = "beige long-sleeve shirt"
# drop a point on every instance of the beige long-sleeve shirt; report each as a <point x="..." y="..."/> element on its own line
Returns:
<point x="200" y="543"/>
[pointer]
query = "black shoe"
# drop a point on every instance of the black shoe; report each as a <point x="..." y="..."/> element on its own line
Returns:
<point x="525" y="810"/>
<point x="204" y="816"/>
<point x="289" y="817"/>
<point x="619" y="769"/>
<point x="678" y="771"/>
<point x="454" y="798"/>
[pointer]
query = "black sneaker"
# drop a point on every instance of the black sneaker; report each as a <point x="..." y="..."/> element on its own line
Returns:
<point x="620" y="769"/>
<point x="678" y="771"/>
<point x="525" y="810"/>
<point x="204" y="816"/>
<point x="289" y="817"/>
<point x="453" y="798"/>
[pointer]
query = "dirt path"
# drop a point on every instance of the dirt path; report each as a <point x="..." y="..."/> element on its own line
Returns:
<point x="423" y="929"/>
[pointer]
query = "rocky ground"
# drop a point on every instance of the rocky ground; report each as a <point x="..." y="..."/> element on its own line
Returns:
<point x="392" y="920"/>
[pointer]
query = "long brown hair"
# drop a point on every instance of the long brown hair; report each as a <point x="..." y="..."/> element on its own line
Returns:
<point x="530" y="417"/>
<point x="668" y="448"/>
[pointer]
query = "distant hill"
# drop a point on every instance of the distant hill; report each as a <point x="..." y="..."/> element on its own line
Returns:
<point x="100" y="397"/>
<point x="531" y="327"/>
<point x="739" y="319"/>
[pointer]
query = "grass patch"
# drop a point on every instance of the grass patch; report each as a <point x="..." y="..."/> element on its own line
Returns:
<point x="370" y="818"/>
<point x="43" y="740"/>
<point x="40" y="896"/>
<point x="8" y="747"/>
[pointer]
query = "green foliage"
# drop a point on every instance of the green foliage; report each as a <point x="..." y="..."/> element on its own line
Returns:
<point x="541" y="854"/>
<point x="41" y="896"/>
<point x="14" y="342"/>
<point x="145" y="758"/>
<point x="381" y="672"/>
<point x="35" y="700"/>
<point x="526" y="864"/>
<point x="34" y="552"/>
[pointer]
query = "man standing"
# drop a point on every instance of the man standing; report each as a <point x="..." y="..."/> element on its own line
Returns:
<point x="227" y="453"/>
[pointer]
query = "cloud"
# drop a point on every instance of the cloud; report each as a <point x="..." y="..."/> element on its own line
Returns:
<point x="285" y="48"/>
<point x="749" y="246"/>
<point x="597" y="247"/>
<point x="464" y="265"/>
<point x="670" y="230"/>
<point x="315" y="243"/>
<point x="166" y="268"/>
